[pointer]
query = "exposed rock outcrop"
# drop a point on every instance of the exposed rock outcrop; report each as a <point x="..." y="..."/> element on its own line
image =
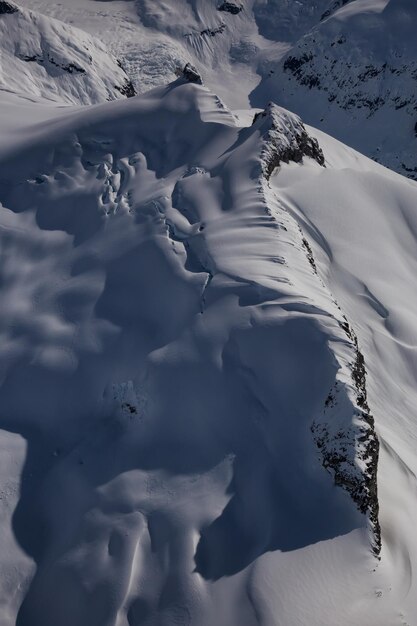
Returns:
<point x="127" y="89"/>
<point x="6" y="7"/>
<point x="286" y="139"/>
<point x="66" y="67"/>
<point x="191" y="74"/>
<point x="351" y="455"/>
<point x="230" y="7"/>
<point x="337" y="4"/>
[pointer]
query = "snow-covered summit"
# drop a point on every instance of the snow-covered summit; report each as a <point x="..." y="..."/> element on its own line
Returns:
<point x="43" y="58"/>
<point x="286" y="138"/>
<point x="347" y="67"/>
<point x="192" y="361"/>
<point x="208" y="372"/>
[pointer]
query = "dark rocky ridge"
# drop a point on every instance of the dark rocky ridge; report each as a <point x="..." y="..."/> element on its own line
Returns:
<point x="336" y="5"/>
<point x="230" y="7"/>
<point x="69" y="67"/>
<point x="208" y="32"/>
<point x="335" y="446"/>
<point x="7" y="8"/>
<point x="286" y="139"/>
<point x="350" y="453"/>
<point x="190" y="74"/>
<point x="127" y="89"/>
<point x="212" y="32"/>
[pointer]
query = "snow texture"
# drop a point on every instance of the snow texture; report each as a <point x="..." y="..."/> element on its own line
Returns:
<point x="44" y="58"/>
<point x="348" y="68"/>
<point x="208" y="364"/>
<point x="193" y="400"/>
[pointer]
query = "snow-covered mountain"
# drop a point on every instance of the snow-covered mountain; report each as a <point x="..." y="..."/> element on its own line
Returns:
<point x="198" y="351"/>
<point x="347" y="67"/>
<point x="355" y="75"/>
<point x="43" y="58"/>
<point x="208" y="372"/>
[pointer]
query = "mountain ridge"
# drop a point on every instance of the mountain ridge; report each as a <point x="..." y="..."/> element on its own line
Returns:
<point x="207" y="355"/>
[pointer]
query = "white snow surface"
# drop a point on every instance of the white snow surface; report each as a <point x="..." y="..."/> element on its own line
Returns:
<point x="43" y="58"/>
<point x="172" y="336"/>
<point x="355" y="61"/>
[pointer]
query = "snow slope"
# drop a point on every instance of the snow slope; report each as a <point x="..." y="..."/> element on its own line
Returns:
<point x="43" y="58"/>
<point x="348" y="68"/>
<point x="354" y="75"/>
<point x="185" y="329"/>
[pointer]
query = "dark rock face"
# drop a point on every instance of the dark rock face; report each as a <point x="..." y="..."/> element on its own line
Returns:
<point x="295" y="66"/>
<point x="286" y="139"/>
<point x="350" y="81"/>
<point x="305" y="146"/>
<point x="335" y="446"/>
<point x="71" y="68"/>
<point x="230" y="7"/>
<point x="7" y="8"/>
<point x="336" y="5"/>
<point x="410" y="172"/>
<point x="208" y="32"/>
<point x="190" y="73"/>
<point x="212" y="32"/>
<point x="309" y="254"/>
<point x="127" y="89"/>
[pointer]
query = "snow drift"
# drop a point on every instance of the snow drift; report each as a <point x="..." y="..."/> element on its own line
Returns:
<point x="191" y="367"/>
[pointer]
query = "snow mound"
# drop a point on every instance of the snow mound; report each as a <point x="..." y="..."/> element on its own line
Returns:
<point x="44" y="58"/>
<point x="193" y="372"/>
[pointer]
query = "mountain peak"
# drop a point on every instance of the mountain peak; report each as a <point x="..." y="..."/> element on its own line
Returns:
<point x="286" y="138"/>
<point x="191" y="74"/>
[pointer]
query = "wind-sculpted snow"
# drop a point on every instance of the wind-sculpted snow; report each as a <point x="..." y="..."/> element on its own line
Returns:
<point x="188" y="403"/>
<point x="346" y="66"/>
<point x="41" y="57"/>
